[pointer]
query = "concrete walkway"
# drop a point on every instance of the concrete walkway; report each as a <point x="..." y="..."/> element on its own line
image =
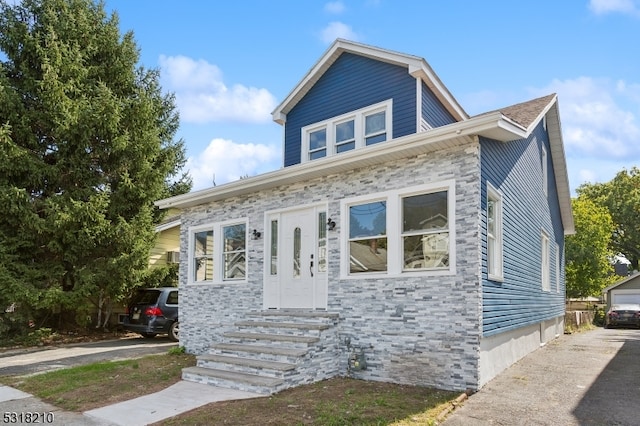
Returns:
<point x="176" y="399"/>
<point x="588" y="378"/>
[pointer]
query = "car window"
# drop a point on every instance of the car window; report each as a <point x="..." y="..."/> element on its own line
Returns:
<point x="146" y="297"/>
<point x="172" y="298"/>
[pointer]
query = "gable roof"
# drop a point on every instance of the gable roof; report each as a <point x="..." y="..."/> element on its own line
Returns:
<point x="416" y="66"/>
<point x="527" y="113"/>
<point x="623" y="281"/>
<point x="495" y="125"/>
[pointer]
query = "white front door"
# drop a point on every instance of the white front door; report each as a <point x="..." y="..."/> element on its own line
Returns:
<point x="297" y="263"/>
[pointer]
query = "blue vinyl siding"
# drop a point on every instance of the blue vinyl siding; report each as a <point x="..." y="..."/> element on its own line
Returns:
<point x="433" y="112"/>
<point x="352" y="82"/>
<point x="515" y="169"/>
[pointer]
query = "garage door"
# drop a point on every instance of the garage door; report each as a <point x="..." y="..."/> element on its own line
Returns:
<point x="621" y="297"/>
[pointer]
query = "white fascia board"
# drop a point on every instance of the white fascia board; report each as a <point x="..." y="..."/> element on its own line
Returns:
<point x="168" y="225"/>
<point x="559" y="162"/>
<point x="424" y="72"/>
<point x="417" y="67"/>
<point x="374" y="154"/>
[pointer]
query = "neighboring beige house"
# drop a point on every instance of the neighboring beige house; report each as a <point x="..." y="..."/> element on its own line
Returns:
<point x="167" y="247"/>
<point x="165" y="251"/>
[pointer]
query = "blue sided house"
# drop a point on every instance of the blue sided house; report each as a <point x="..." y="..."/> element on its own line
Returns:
<point x="402" y="240"/>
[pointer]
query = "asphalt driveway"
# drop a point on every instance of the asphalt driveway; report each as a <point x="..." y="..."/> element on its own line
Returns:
<point x="588" y="378"/>
<point x="29" y="361"/>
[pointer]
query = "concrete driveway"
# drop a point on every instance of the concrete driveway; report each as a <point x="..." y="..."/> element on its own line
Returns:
<point x="588" y="378"/>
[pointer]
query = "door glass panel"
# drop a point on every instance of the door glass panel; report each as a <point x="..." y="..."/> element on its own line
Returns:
<point x="297" y="237"/>
<point x="274" y="247"/>
<point x="322" y="242"/>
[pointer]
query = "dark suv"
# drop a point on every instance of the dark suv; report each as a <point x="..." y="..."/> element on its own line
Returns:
<point x="154" y="311"/>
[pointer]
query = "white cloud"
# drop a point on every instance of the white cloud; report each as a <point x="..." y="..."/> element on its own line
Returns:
<point x="202" y="96"/>
<point x="598" y="118"/>
<point x="600" y="126"/>
<point x="336" y="30"/>
<point x="334" y="7"/>
<point x="229" y="161"/>
<point x="602" y="7"/>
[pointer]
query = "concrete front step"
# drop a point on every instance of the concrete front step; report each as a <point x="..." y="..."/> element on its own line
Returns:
<point x="294" y="313"/>
<point x="270" y="351"/>
<point x="288" y="338"/>
<point x="213" y="361"/>
<point x="287" y="325"/>
<point x="233" y="380"/>
<point x="260" y="349"/>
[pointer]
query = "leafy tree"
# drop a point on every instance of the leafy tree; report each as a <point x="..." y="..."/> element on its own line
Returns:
<point x="621" y="196"/>
<point x="588" y="269"/>
<point x="89" y="144"/>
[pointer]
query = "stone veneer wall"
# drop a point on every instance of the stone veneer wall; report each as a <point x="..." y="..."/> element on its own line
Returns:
<point x="422" y="330"/>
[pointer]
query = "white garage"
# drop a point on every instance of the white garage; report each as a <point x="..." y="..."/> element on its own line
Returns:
<point x="625" y="291"/>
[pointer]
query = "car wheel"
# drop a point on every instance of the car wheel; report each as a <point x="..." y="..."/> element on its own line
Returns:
<point x="174" y="331"/>
<point x="148" y="335"/>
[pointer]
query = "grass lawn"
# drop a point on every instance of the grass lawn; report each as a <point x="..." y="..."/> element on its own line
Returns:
<point x="339" y="401"/>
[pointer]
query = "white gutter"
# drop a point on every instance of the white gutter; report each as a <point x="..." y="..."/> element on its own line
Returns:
<point x="494" y="125"/>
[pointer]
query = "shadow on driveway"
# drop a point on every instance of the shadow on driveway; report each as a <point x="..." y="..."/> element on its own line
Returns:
<point x="614" y="397"/>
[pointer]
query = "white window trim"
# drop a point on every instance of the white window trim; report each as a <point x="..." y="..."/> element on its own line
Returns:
<point x="557" y="268"/>
<point x="545" y="261"/>
<point x="395" y="252"/>
<point x="218" y="252"/>
<point x="494" y="194"/>
<point x="358" y="116"/>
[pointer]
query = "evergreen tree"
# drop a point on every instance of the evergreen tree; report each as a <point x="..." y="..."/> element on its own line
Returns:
<point x="89" y="145"/>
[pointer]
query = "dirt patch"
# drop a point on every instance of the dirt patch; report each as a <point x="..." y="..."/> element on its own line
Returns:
<point x="338" y="401"/>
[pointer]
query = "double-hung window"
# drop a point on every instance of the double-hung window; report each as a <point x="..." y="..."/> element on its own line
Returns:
<point x="545" y="260"/>
<point x="345" y="136"/>
<point x="368" y="237"/>
<point x="366" y="126"/>
<point x="425" y="231"/>
<point x="494" y="234"/>
<point x="218" y="252"/>
<point x="400" y="231"/>
<point x="202" y="255"/>
<point x="375" y="129"/>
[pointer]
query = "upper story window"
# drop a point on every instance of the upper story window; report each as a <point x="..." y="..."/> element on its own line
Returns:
<point x="346" y="132"/>
<point x="218" y="252"/>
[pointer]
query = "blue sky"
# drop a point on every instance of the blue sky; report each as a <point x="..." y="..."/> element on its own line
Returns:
<point x="231" y="63"/>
